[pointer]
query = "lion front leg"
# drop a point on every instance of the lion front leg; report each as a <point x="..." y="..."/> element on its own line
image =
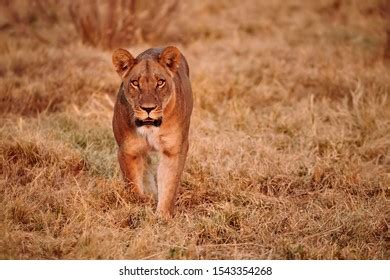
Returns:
<point x="168" y="178"/>
<point x="132" y="167"/>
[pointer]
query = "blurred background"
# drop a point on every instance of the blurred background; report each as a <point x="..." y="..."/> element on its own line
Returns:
<point x="290" y="146"/>
<point x="111" y="23"/>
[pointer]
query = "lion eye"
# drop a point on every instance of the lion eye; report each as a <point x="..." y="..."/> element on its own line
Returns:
<point x="135" y="83"/>
<point x="160" y="83"/>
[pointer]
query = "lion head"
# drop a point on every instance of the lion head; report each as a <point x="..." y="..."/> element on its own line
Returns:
<point x="148" y="82"/>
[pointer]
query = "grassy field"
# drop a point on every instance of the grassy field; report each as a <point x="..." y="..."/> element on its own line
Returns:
<point x="290" y="137"/>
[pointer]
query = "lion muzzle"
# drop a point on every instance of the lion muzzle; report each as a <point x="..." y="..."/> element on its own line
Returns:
<point x="148" y="121"/>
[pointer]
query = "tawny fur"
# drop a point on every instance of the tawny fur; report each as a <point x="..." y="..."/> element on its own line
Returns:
<point x="157" y="79"/>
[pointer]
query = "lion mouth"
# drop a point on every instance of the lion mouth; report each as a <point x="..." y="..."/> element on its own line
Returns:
<point x="148" y="121"/>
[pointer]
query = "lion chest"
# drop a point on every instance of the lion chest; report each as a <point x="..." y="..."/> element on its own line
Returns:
<point x="151" y="135"/>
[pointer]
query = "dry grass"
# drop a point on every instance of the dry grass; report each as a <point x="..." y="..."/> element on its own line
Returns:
<point x="289" y="154"/>
<point x="111" y="23"/>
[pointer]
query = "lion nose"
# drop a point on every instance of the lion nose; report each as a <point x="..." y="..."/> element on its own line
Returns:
<point x="148" y="109"/>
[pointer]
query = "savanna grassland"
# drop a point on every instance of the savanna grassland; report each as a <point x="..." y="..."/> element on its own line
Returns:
<point x="290" y="136"/>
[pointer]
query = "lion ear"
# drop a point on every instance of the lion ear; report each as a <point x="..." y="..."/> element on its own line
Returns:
<point x="123" y="61"/>
<point x="170" y="57"/>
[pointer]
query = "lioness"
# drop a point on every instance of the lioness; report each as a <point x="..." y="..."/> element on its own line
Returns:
<point x="152" y="113"/>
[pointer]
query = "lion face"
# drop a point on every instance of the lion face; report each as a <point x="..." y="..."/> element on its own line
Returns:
<point x="148" y="83"/>
<point x="148" y="88"/>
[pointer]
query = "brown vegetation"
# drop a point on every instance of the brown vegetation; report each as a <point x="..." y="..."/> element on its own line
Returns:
<point x="115" y="22"/>
<point x="289" y="155"/>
